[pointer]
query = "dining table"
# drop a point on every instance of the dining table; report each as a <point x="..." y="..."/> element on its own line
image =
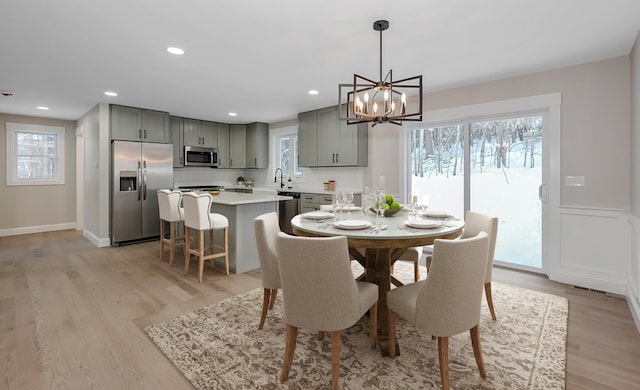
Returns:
<point x="376" y="246"/>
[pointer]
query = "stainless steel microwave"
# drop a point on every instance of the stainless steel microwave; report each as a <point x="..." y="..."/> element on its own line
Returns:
<point x="196" y="156"/>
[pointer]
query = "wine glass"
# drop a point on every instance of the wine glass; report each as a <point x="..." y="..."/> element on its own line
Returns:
<point x="413" y="205"/>
<point x="348" y="200"/>
<point x="378" y="206"/>
<point x="340" y="201"/>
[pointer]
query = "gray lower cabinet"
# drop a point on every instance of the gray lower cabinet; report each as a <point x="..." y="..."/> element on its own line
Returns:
<point x="176" y="132"/>
<point x="312" y="202"/>
<point x="326" y="141"/>
<point x="237" y="146"/>
<point x="137" y="124"/>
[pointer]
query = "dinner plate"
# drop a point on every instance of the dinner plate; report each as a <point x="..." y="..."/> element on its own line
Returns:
<point x="352" y="208"/>
<point x="422" y="224"/>
<point x="352" y="224"/>
<point x="317" y="215"/>
<point x="436" y="214"/>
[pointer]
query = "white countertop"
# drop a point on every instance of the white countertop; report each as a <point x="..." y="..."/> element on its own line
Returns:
<point x="237" y="198"/>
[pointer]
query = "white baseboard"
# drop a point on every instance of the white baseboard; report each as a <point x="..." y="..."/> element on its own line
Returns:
<point x="37" y="229"/>
<point x="95" y="240"/>
<point x="634" y="306"/>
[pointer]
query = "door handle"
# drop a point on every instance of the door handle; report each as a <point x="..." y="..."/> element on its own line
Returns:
<point x="144" y="181"/>
<point x="139" y="178"/>
<point x="541" y="193"/>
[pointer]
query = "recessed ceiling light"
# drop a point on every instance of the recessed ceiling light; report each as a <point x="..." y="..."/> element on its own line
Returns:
<point x="233" y="114"/>
<point x="175" y="50"/>
<point x="109" y="93"/>
<point x="313" y="92"/>
<point x="42" y="108"/>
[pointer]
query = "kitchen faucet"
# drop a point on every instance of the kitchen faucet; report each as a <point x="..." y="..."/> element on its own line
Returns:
<point x="275" y="180"/>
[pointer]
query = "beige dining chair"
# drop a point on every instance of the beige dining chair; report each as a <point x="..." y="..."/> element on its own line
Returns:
<point x="475" y="223"/>
<point x="448" y="301"/>
<point x="171" y="213"/>
<point x="266" y="228"/>
<point x="198" y="217"/>
<point x="320" y="294"/>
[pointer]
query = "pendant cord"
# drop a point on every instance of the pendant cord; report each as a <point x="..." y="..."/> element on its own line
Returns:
<point x="380" y="56"/>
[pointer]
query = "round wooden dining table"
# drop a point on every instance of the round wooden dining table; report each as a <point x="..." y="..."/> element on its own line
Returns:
<point x="381" y="247"/>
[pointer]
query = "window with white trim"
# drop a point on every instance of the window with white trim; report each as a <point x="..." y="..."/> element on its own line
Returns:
<point x="35" y="154"/>
<point x="287" y="148"/>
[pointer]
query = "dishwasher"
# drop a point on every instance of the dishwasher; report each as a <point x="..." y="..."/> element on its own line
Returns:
<point x="288" y="209"/>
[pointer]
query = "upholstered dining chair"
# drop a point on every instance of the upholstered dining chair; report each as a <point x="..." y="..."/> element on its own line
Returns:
<point x="266" y="228"/>
<point x="173" y="214"/>
<point x="198" y="217"/>
<point x="475" y="223"/>
<point x="320" y="294"/>
<point x="448" y="301"/>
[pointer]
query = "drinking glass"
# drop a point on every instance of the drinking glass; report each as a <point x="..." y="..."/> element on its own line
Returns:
<point x="340" y="201"/>
<point x="348" y="200"/>
<point x="378" y="205"/>
<point x="413" y="205"/>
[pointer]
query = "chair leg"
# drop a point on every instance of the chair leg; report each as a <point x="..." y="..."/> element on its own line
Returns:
<point x="265" y="307"/>
<point x="477" y="351"/>
<point x="172" y="242"/>
<point x="226" y="250"/>
<point x="201" y="256"/>
<point x="274" y="294"/>
<point x="320" y="335"/>
<point x="443" y="358"/>
<point x="373" y="325"/>
<point x="392" y="334"/>
<point x="289" y="349"/>
<point x="487" y="293"/>
<point x="416" y="271"/>
<point x="161" y="238"/>
<point x="428" y="263"/>
<point x="335" y="359"/>
<point x="187" y="246"/>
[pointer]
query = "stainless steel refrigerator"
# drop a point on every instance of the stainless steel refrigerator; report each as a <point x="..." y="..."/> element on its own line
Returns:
<point x="139" y="169"/>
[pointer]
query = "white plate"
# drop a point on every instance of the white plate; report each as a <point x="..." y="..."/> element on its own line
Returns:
<point x="317" y="215"/>
<point x="352" y="208"/>
<point x="423" y="224"/>
<point x="436" y="214"/>
<point x="351" y="224"/>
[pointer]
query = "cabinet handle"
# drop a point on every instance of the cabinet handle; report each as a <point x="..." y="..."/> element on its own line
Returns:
<point x="139" y="133"/>
<point x="337" y="158"/>
<point x="255" y="162"/>
<point x="145" y="133"/>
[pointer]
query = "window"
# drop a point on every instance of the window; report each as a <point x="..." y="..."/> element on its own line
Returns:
<point x="287" y="146"/>
<point x="35" y="154"/>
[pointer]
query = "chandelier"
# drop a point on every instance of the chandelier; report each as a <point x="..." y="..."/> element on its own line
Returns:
<point x="380" y="101"/>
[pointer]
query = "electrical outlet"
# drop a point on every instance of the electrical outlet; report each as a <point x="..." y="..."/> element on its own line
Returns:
<point x="574" y="181"/>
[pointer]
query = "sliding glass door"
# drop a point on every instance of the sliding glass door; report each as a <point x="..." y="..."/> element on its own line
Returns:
<point x="492" y="166"/>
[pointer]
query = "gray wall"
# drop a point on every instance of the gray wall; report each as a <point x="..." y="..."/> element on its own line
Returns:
<point x="38" y="206"/>
<point x="634" y="266"/>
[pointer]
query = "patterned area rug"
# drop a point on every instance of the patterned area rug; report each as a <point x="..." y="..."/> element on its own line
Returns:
<point x="220" y="347"/>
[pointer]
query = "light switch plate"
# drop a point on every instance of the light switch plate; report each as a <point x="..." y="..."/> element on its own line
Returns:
<point x="574" y="181"/>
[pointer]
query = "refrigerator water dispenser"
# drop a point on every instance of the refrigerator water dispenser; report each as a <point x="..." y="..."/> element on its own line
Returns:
<point x="128" y="181"/>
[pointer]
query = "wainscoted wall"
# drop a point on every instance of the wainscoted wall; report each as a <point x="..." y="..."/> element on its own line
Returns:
<point x="593" y="249"/>
<point x="633" y="276"/>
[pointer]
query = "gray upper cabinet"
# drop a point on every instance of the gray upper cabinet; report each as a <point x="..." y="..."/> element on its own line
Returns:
<point x="223" y="145"/>
<point x="237" y="146"/>
<point x="308" y="139"/>
<point x="176" y="131"/>
<point x="136" y="124"/>
<point x="330" y="142"/>
<point x="200" y="133"/>
<point x="257" y="145"/>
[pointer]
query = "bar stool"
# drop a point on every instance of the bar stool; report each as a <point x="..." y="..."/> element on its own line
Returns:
<point x="197" y="216"/>
<point x="171" y="212"/>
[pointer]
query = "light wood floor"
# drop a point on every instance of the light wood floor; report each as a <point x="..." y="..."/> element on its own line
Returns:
<point x="71" y="317"/>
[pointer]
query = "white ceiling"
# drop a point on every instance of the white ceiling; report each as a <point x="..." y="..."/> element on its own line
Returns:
<point x="260" y="57"/>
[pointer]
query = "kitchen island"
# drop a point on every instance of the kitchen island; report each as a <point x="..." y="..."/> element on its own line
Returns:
<point x="241" y="209"/>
